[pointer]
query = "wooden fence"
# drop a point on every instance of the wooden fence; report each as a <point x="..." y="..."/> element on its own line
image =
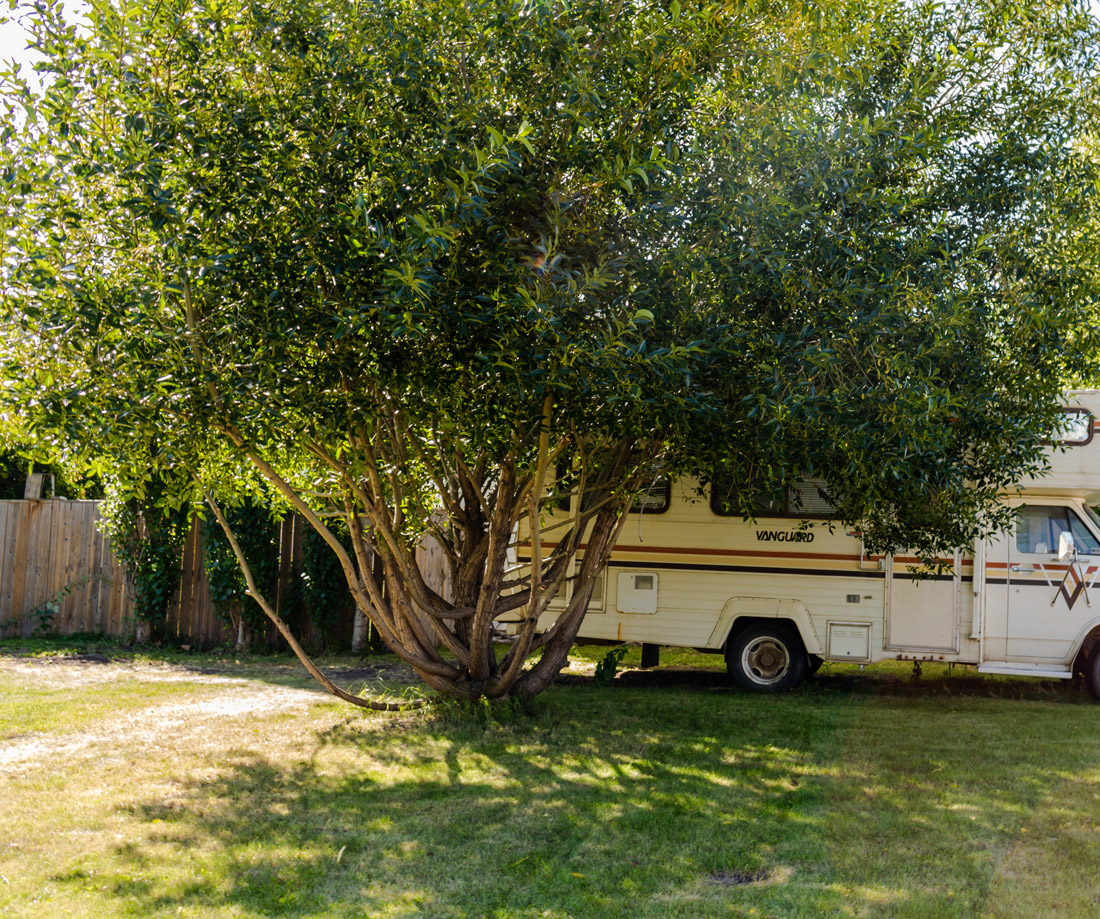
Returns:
<point x="57" y="570"/>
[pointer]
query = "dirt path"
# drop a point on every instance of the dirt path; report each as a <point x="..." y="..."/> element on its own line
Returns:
<point x="221" y="700"/>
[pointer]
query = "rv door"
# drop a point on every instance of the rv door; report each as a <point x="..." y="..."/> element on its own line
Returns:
<point x="1039" y="594"/>
<point x="923" y="604"/>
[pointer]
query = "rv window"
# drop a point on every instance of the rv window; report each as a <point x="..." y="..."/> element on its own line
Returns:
<point x="765" y="505"/>
<point x="1038" y="528"/>
<point x="1074" y="428"/>
<point x="723" y="501"/>
<point x="806" y="499"/>
<point x="809" y="498"/>
<point x="654" y="500"/>
<point x="1082" y="537"/>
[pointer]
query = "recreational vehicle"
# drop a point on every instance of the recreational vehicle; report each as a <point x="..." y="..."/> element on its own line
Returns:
<point x="782" y="593"/>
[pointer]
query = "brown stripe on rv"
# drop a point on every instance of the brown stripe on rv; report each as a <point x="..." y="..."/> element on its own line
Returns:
<point x="727" y="553"/>
<point x="755" y="553"/>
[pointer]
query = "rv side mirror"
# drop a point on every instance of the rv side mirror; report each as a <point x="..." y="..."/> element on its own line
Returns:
<point x="1066" y="548"/>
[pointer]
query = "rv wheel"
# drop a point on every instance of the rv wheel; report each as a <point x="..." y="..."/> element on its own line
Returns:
<point x="1091" y="670"/>
<point x="766" y="658"/>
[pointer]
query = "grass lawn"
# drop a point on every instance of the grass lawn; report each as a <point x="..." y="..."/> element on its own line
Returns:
<point x="199" y="787"/>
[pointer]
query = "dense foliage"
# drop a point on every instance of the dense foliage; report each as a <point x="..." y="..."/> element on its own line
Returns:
<point x="386" y="258"/>
<point x="257" y="534"/>
<point x="65" y="483"/>
<point x="147" y="532"/>
<point x="323" y="592"/>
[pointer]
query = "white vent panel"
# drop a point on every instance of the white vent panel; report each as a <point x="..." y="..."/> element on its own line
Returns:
<point x="849" y="641"/>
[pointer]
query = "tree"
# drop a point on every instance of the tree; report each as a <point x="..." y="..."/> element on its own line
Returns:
<point x="428" y="267"/>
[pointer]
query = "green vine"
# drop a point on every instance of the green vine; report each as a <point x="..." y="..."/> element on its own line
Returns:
<point x="324" y="590"/>
<point x="44" y="617"/>
<point x="147" y="535"/>
<point x="608" y="666"/>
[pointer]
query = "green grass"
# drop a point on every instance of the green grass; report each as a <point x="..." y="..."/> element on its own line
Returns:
<point x="857" y="796"/>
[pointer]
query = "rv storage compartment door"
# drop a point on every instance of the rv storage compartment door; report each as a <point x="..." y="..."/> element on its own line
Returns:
<point x="849" y="641"/>
<point x="637" y="592"/>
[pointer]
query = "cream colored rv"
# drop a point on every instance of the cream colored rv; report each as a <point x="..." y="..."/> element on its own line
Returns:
<point x="782" y="594"/>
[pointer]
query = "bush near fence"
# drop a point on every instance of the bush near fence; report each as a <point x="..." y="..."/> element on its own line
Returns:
<point x="58" y="574"/>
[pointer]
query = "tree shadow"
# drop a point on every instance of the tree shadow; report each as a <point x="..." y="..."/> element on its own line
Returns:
<point x="640" y="803"/>
<point x="593" y="804"/>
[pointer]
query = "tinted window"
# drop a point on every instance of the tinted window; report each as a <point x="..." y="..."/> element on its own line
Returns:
<point x="810" y="498"/>
<point x="805" y="499"/>
<point x="655" y="499"/>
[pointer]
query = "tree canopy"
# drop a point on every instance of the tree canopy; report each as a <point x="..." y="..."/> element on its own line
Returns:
<point x="427" y="266"/>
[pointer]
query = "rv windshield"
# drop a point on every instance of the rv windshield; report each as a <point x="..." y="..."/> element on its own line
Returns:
<point x="1094" y="518"/>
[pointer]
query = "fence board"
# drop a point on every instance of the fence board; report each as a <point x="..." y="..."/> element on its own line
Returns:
<point x="118" y="609"/>
<point x="60" y="575"/>
<point x="9" y="515"/>
<point x="82" y="599"/>
<point x="88" y="597"/>
<point x="24" y="565"/>
<point x="103" y="564"/>
<point x="48" y="545"/>
<point x="205" y="626"/>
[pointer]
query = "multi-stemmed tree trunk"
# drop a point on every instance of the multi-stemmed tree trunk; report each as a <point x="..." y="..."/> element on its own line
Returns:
<point x="488" y="513"/>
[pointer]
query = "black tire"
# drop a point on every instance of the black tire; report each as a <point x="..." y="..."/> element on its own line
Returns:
<point x="767" y="658"/>
<point x="1090" y="667"/>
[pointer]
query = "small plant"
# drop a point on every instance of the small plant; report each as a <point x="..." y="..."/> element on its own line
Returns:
<point x="485" y="710"/>
<point x="492" y="713"/>
<point x="607" y="668"/>
<point x="43" y="616"/>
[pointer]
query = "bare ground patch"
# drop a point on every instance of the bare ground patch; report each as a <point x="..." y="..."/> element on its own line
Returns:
<point x="194" y="722"/>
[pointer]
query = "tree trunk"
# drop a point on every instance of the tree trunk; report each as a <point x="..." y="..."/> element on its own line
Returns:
<point x="360" y="632"/>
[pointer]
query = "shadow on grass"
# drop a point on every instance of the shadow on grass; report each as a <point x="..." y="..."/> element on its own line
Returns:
<point x="890" y="679"/>
<point x="596" y="804"/>
<point x="832" y="801"/>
